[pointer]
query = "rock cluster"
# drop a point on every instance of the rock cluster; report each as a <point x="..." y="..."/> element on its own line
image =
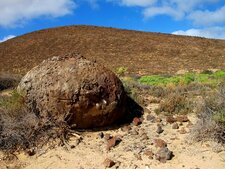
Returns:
<point x="76" y="90"/>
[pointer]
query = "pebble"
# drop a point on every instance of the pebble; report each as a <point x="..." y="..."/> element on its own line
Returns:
<point x="159" y="129"/>
<point x="164" y="154"/>
<point x="175" y="126"/>
<point x="108" y="163"/>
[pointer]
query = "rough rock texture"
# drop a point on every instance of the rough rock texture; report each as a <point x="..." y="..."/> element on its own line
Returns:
<point x="74" y="89"/>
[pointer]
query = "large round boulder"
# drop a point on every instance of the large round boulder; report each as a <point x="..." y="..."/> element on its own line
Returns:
<point x="76" y="90"/>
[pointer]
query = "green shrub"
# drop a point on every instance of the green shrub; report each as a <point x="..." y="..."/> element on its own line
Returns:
<point x="205" y="78"/>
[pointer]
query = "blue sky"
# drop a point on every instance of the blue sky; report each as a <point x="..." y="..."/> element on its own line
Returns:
<point x="204" y="18"/>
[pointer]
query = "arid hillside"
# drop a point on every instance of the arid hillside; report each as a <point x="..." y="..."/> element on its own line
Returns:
<point x="141" y="52"/>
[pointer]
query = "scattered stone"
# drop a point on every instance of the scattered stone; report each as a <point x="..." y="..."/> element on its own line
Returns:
<point x="137" y="121"/>
<point x="150" y="118"/>
<point x="164" y="154"/>
<point x="149" y="153"/>
<point x="159" y="129"/>
<point x="31" y="152"/>
<point x="158" y="120"/>
<point x="175" y="126"/>
<point x="170" y="119"/>
<point x="108" y="163"/>
<point x="182" y="118"/>
<point x="113" y="142"/>
<point x="101" y="135"/>
<point x="160" y="143"/>
<point x="107" y="136"/>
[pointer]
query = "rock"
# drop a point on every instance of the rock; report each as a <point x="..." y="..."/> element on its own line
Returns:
<point x="107" y="136"/>
<point x="182" y="118"/>
<point x="175" y="126"/>
<point x="158" y="120"/>
<point x="160" y="143"/>
<point x="164" y="154"/>
<point x="74" y="89"/>
<point x="137" y="121"/>
<point x="170" y="119"/>
<point x="159" y="129"/>
<point x="101" y="135"/>
<point x="108" y="163"/>
<point x="150" y="118"/>
<point x="113" y="142"/>
<point x="149" y="153"/>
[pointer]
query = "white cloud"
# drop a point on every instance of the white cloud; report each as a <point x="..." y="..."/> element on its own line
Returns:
<point x="212" y="32"/>
<point x="165" y="10"/>
<point x="7" y="38"/>
<point x="177" y="9"/>
<point x="16" y="12"/>
<point x="208" y="17"/>
<point x="142" y="3"/>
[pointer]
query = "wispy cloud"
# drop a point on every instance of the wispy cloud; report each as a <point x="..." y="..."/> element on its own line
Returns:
<point x="206" y="18"/>
<point x="7" y="38"/>
<point x="16" y="12"/>
<point x="212" y="32"/>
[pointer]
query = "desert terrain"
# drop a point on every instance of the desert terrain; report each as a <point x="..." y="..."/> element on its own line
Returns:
<point x="175" y="79"/>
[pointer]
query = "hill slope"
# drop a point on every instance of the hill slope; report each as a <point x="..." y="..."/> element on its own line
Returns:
<point x="139" y="51"/>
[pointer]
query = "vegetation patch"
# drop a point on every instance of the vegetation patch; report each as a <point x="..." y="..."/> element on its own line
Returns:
<point x="204" y="78"/>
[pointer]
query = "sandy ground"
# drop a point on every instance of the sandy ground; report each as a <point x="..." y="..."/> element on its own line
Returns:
<point x="91" y="152"/>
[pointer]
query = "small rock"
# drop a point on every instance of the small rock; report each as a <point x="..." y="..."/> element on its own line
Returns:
<point x="101" y="135"/>
<point x="160" y="143"/>
<point x="164" y="154"/>
<point x="137" y="121"/>
<point x="150" y="118"/>
<point x="175" y="126"/>
<point x="113" y="142"/>
<point x="108" y="163"/>
<point x="107" y="136"/>
<point x="170" y="119"/>
<point x="158" y="120"/>
<point x="159" y="129"/>
<point x="31" y="152"/>
<point x="182" y="118"/>
<point x="149" y="153"/>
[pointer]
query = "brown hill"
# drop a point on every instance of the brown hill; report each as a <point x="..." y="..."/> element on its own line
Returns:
<point x="141" y="52"/>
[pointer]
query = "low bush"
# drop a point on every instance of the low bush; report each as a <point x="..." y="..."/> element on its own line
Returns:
<point x="203" y="78"/>
<point x="211" y="123"/>
<point x="22" y="130"/>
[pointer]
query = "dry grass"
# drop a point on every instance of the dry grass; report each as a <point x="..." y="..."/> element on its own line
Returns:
<point x="140" y="52"/>
<point x="211" y="123"/>
<point x="22" y="130"/>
